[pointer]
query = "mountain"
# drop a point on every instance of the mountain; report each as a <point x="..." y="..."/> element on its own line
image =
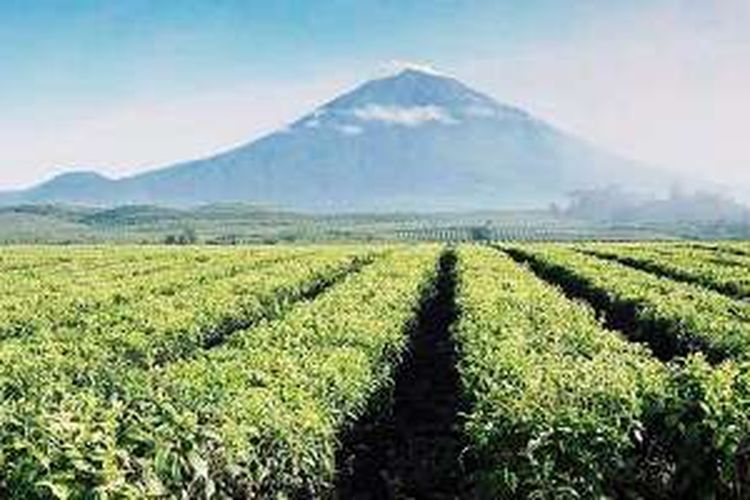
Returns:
<point x="86" y="188"/>
<point x="411" y="141"/>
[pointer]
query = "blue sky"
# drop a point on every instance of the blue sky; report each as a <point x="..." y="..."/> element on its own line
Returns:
<point x="59" y="50"/>
<point x="122" y="86"/>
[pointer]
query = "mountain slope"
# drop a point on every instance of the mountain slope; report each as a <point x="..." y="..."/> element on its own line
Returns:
<point x="413" y="141"/>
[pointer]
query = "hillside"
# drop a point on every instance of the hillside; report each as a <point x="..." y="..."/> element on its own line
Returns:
<point x="240" y="223"/>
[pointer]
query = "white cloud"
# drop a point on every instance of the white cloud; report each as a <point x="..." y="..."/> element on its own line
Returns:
<point x="477" y="111"/>
<point x="349" y="129"/>
<point x="411" y="116"/>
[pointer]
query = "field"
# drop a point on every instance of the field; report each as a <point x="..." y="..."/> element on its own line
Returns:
<point x="535" y="370"/>
<point x="228" y="224"/>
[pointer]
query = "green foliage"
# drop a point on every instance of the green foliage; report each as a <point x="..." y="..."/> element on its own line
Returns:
<point x="703" y="425"/>
<point x="676" y="317"/>
<point x="124" y="410"/>
<point x="558" y="403"/>
<point x="726" y="274"/>
<point x="132" y="372"/>
<point x="699" y="425"/>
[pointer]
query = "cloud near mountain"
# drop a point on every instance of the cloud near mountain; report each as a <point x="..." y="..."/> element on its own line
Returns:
<point x="404" y="115"/>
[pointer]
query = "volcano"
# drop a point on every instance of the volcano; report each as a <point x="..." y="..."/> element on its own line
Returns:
<point x="413" y="141"/>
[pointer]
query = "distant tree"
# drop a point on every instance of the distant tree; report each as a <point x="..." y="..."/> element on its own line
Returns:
<point x="188" y="236"/>
<point x="227" y="239"/>
<point x="480" y="233"/>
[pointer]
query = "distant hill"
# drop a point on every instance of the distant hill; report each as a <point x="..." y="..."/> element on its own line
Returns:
<point x="240" y="223"/>
<point x="414" y="141"/>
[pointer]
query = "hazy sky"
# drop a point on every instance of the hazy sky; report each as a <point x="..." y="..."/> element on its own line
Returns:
<point x="122" y="86"/>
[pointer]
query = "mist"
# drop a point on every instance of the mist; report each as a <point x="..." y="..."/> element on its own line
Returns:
<point x="667" y="86"/>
